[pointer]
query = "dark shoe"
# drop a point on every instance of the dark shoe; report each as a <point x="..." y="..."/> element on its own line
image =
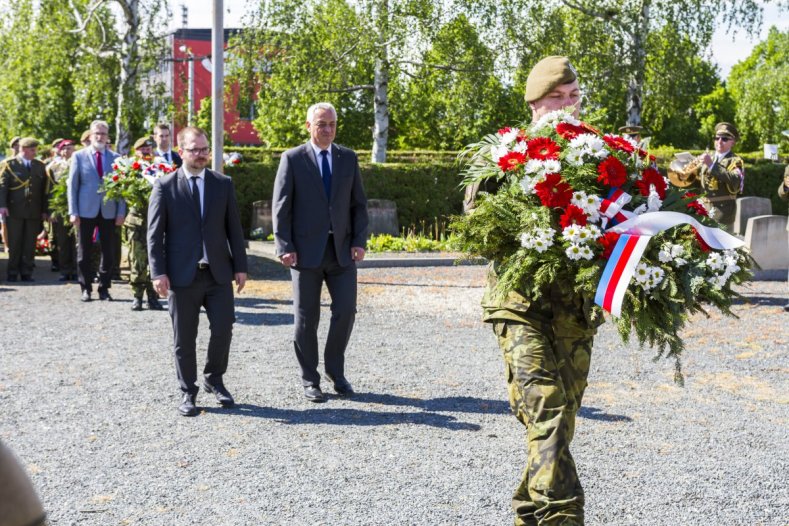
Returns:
<point x="85" y="295"/>
<point x="154" y="304"/>
<point x="104" y="295"/>
<point x="27" y="279"/>
<point x="313" y="393"/>
<point x="786" y="307"/>
<point x="223" y="396"/>
<point x="63" y="278"/>
<point x="187" y="407"/>
<point x="12" y="278"/>
<point x="343" y="387"/>
<point x="73" y="277"/>
<point x="136" y="304"/>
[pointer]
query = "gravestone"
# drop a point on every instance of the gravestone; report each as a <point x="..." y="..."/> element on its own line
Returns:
<point x="383" y="217"/>
<point x="261" y="218"/>
<point x="768" y="239"/>
<point x="748" y="207"/>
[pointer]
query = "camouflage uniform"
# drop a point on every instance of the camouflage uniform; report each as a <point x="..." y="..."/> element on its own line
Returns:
<point x="62" y="239"/>
<point x="547" y="345"/>
<point x="136" y="225"/>
<point x="721" y="183"/>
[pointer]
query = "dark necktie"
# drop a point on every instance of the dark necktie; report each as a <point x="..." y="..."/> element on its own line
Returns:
<point x="326" y="171"/>
<point x="167" y="156"/>
<point x="99" y="166"/>
<point x="196" y="196"/>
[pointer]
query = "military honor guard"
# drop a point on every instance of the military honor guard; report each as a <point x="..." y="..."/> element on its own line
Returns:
<point x="63" y="241"/>
<point x="24" y="203"/>
<point x="136" y="226"/>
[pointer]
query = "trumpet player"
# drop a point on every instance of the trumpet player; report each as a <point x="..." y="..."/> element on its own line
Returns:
<point x="721" y="176"/>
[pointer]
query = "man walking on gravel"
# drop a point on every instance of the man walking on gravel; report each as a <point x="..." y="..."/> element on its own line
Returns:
<point x="320" y="229"/>
<point x="196" y="249"/>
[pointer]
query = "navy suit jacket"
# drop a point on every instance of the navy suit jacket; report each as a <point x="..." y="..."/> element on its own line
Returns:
<point x="303" y="215"/>
<point x="175" y="227"/>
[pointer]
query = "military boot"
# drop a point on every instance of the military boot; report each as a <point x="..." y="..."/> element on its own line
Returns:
<point x="136" y="304"/>
<point x="153" y="301"/>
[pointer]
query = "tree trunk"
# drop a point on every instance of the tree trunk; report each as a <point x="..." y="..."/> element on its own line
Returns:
<point x="128" y="71"/>
<point x="638" y="53"/>
<point x="381" y="85"/>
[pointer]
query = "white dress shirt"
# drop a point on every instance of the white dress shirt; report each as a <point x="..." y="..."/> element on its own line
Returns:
<point x="317" y="150"/>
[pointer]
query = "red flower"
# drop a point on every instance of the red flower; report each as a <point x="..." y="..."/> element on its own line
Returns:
<point x="542" y="148"/>
<point x="135" y="165"/>
<point x="114" y="166"/>
<point x="521" y="136"/>
<point x="553" y="191"/>
<point x="608" y="241"/>
<point x="612" y="172"/>
<point x="702" y="244"/>
<point x="570" y="131"/>
<point x="618" y="143"/>
<point x="652" y="177"/>
<point x="695" y="205"/>
<point x="504" y="130"/>
<point x="573" y="216"/>
<point x="236" y="161"/>
<point x="511" y="161"/>
<point x="114" y="177"/>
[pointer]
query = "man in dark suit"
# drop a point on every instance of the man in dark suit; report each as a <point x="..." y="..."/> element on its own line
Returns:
<point x="320" y="228"/>
<point x="161" y="135"/>
<point x="88" y="211"/>
<point x="24" y="202"/>
<point x="195" y="250"/>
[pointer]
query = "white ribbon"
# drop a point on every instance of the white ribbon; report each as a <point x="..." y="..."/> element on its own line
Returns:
<point x="651" y="223"/>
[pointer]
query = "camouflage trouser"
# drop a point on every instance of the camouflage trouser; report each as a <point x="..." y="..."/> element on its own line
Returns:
<point x="547" y="363"/>
<point x="139" y="274"/>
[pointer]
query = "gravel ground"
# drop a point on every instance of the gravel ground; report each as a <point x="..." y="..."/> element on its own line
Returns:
<point x="89" y="397"/>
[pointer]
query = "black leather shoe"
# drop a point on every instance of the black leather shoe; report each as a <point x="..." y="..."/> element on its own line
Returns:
<point x="343" y="387"/>
<point x="223" y="396"/>
<point x="154" y="304"/>
<point x="104" y="295"/>
<point x="786" y="307"/>
<point x="313" y="393"/>
<point x="85" y="296"/>
<point x="27" y="279"/>
<point x="136" y="304"/>
<point x="187" y="407"/>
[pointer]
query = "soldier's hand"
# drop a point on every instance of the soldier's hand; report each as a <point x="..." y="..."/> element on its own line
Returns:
<point x="707" y="160"/>
<point x="74" y="220"/>
<point x="161" y="285"/>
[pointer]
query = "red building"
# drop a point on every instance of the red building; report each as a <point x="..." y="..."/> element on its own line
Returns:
<point x="195" y="44"/>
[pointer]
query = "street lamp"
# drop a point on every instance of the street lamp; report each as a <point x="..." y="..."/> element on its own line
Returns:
<point x="190" y="76"/>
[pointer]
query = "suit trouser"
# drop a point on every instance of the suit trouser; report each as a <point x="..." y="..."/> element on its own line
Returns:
<point x="66" y="247"/>
<point x="85" y="251"/>
<point x="307" y="285"/>
<point x="22" y="235"/>
<point x="184" y="305"/>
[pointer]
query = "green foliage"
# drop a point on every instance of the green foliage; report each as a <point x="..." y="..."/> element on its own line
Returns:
<point x="712" y="108"/>
<point x="408" y="243"/>
<point x="760" y="85"/>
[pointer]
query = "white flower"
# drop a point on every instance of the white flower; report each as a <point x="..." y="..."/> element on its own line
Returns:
<point x="671" y="253"/>
<point x="508" y="137"/>
<point x="532" y="166"/>
<point x="553" y="118"/>
<point x="653" y="201"/>
<point x="527" y="184"/>
<point x="657" y="274"/>
<point x="571" y="233"/>
<point x="574" y="252"/>
<point x="497" y="152"/>
<point x="642" y="273"/>
<point x="520" y="147"/>
<point x="552" y="166"/>
<point x="540" y="239"/>
<point x="715" y="261"/>
<point x="574" y="157"/>
<point x="589" y="233"/>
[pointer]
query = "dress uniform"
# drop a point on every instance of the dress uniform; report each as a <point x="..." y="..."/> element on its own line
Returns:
<point x="24" y="200"/>
<point x="722" y="177"/>
<point x="63" y="240"/>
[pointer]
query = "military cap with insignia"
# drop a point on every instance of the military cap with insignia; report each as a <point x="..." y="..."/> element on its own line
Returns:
<point x="143" y="142"/>
<point x="631" y="130"/>
<point x="85" y="136"/>
<point x="546" y="75"/>
<point x="56" y="143"/>
<point x="28" y="142"/>
<point x="728" y="129"/>
<point x="14" y="141"/>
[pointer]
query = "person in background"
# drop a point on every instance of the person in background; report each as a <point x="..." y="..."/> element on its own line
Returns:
<point x="783" y="192"/>
<point x="162" y="137"/>
<point x="63" y="240"/>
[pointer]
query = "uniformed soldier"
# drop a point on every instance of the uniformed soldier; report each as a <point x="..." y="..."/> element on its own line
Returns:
<point x="136" y="225"/>
<point x="24" y="202"/>
<point x="632" y="132"/>
<point x="547" y="345"/>
<point x="721" y="176"/>
<point x="63" y="239"/>
<point x="14" y="144"/>
<point x="53" y="247"/>
<point x="783" y="192"/>
<point x="84" y="139"/>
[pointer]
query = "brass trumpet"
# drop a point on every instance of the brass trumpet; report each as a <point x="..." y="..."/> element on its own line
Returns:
<point x="684" y="170"/>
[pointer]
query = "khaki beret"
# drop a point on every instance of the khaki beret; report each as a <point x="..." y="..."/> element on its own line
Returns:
<point x="726" y="128"/>
<point x="28" y="142"/>
<point x="14" y="141"/>
<point x="142" y="142"/>
<point x="546" y="75"/>
<point x="85" y="136"/>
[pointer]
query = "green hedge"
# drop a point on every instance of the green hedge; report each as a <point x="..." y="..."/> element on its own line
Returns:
<point x="428" y="190"/>
<point x="422" y="191"/>
<point x="260" y="154"/>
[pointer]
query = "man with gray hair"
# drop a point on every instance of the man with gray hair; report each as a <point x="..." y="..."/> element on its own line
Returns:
<point x="88" y="212"/>
<point x="320" y="229"/>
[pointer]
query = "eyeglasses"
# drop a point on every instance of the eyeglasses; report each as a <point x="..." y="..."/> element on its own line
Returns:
<point x="198" y="151"/>
<point x="722" y="139"/>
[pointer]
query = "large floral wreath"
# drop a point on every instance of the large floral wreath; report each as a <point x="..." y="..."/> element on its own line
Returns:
<point x="579" y="206"/>
<point x="132" y="179"/>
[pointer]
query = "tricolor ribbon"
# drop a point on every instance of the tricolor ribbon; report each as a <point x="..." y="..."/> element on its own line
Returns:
<point x="611" y="207"/>
<point x="636" y="233"/>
